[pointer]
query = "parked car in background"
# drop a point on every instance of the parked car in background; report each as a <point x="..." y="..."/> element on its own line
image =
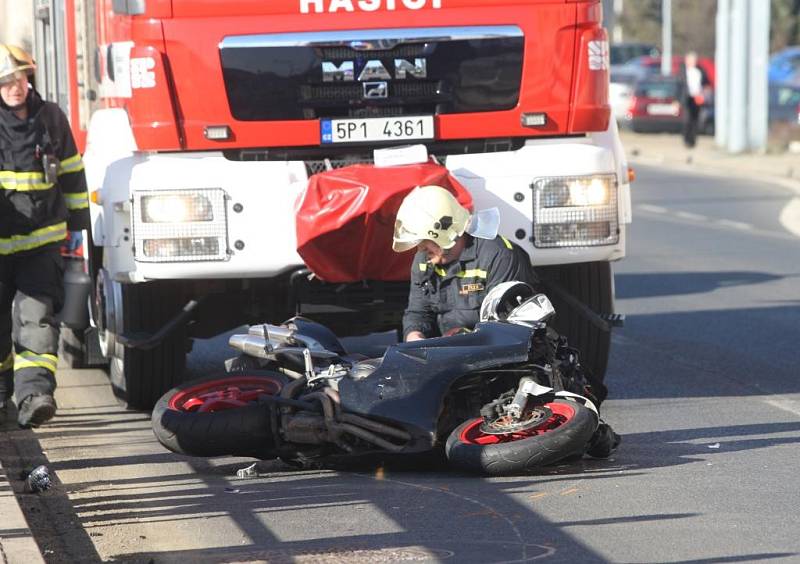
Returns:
<point x="784" y="113"/>
<point x="621" y="53"/>
<point x="651" y="66"/>
<point x="784" y="66"/>
<point x="655" y="106"/>
<point x="620" y="90"/>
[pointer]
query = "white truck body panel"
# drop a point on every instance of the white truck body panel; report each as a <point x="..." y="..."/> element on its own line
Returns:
<point x="261" y="235"/>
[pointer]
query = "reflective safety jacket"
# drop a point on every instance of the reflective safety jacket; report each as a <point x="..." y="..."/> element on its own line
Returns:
<point x="37" y="211"/>
<point x="447" y="297"/>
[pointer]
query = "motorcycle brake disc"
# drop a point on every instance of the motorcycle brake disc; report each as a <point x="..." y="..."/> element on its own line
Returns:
<point x="506" y="424"/>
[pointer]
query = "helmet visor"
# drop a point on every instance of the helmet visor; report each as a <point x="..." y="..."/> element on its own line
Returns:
<point x="403" y="239"/>
<point x="484" y="224"/>
<point x="13" y="77"/>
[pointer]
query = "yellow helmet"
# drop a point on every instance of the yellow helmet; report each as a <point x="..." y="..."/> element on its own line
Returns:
<point x="14" y="60"/>
<point x="429" y="212"/>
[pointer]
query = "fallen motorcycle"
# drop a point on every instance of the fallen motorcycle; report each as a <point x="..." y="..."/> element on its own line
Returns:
<point x="508" y="397"/>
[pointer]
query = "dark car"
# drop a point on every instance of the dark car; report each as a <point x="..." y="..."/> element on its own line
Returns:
<point x="655" y="106"/>
<point x="652" y="66"/>
<point x="784" y="113"/>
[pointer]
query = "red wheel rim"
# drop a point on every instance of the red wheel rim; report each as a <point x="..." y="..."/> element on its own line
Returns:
<point x="225" y="393"/>
<point x="562" y="413"/>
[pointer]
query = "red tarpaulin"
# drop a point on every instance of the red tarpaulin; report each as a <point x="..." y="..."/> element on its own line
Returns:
<point x="345" y="219"/>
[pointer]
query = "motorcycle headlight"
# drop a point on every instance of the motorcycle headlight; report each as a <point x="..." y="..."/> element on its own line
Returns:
<point x="575" y="211"/>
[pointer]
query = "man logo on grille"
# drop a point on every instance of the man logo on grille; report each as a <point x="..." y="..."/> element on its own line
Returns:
<point x="374" y="70"/>
<point x="374" y="90"/>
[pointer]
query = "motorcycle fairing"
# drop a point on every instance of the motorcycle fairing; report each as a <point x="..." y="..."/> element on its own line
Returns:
<point x="413" y="379"/>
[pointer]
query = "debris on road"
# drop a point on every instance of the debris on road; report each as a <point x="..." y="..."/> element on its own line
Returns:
<point x="38" y="480"/>
<point x="248" y="472"/>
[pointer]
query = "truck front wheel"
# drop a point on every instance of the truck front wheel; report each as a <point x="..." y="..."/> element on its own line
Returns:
<point x="141" y="377"/>
<point x="591" y="283"/>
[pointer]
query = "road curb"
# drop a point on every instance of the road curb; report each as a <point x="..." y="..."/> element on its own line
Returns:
<point x="17" y="545"/>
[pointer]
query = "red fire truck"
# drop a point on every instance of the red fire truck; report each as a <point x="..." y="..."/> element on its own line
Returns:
<point x="203" y="120"/>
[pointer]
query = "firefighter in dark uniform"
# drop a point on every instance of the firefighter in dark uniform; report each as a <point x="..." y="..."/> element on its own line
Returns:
<point x="459" y="258"/>
<point x="42" y="197"/>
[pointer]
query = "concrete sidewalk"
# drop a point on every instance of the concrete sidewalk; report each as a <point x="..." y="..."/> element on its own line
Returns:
<point x="17" y="545"/>
<point x="668" y="150"/>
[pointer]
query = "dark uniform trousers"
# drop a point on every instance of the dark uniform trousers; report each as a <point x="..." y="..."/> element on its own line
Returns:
<point x="448" y="297"/>
<point x="31" y="292"/>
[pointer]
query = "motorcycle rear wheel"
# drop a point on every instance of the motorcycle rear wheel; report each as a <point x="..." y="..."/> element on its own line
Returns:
<point x="565" y="433"/>
<point x="218" y="416"/>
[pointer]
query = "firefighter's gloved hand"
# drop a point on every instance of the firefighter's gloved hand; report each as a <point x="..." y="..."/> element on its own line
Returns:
<point x="73" y="242"/>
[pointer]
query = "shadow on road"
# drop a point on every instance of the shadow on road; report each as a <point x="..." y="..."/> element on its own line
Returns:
<point x="649" y="285"/>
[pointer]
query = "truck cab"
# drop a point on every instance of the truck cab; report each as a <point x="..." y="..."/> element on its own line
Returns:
<point x="208" y="118"/>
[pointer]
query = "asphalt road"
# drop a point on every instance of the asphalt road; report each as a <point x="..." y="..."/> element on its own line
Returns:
<point x="704" y="389"/>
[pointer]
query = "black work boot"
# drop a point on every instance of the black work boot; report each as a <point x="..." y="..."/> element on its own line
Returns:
<point x="35" y="410"/>
<point x="604" y="442"/>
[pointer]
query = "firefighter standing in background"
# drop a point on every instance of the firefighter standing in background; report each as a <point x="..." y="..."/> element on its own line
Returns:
<point x="460" y="257"/>
<point x="42" y="197"/>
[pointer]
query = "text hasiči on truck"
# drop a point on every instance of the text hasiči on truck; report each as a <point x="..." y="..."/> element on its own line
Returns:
<point x="202" y="123"/>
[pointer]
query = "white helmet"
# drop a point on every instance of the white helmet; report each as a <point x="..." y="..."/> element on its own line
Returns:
<point x="503" y="298"/>
<point x="429" y="212"/>
<point x="15" y="62"/>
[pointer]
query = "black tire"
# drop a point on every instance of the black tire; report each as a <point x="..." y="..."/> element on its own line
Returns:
<point x="469" y="449"/>
<point x="140" y="377"/>
<point x="234" y="431"/>
<point x="591" y="283"/>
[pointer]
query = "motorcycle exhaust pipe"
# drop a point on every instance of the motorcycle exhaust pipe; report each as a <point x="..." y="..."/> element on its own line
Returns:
<point x="251" y="345"/>
<point x="275" y="333"/>
<point x="261" y="340"/>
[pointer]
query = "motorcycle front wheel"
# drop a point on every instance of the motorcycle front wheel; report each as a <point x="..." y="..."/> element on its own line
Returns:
<point x="560" y="429"/>
<point x="218" y="416"/>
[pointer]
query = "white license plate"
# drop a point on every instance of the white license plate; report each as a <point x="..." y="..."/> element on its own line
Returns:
<point x="662" y="109"/>
<point x="376" y="129"/>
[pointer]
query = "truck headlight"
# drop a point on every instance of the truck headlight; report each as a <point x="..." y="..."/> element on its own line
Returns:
<point x="575" y="211"/>
<point x="180" y="225"/>
<point x="176" y="208"/>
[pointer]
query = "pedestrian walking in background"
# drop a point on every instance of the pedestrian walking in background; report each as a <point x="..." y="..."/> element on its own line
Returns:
<point x="692" y="98"/>
<point x="42" y="197"/>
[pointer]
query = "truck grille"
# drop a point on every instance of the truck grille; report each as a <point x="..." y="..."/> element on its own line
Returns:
<point x="372" y="73"/>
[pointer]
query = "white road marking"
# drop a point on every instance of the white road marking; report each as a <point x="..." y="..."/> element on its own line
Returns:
<point x="729" y="223"/>
<point x="653" y="209"/>
<point x="790" y="216"/>
<point x="784" y="404"/>
<point x="691" y="216"/>
<point x="735" y="224"/>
